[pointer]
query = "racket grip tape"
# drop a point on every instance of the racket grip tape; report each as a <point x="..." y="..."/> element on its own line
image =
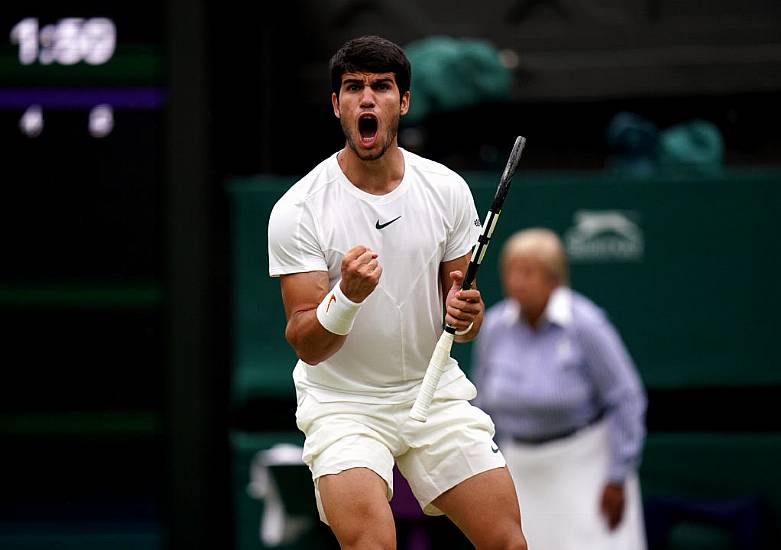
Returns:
<point x="436" y="367"/>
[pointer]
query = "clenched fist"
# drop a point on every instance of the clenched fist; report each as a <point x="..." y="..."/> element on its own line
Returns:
<point x="360" y="273"/>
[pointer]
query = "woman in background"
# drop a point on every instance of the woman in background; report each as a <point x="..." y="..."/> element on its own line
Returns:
<point x="568" y="405"/>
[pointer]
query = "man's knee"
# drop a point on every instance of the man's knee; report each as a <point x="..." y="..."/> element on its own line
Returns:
<point x="368" y="539"/>
<point x="514" y="541"/>
<point x="508" y="538"/>
<point x="359" y="518"/>
<point x="366" y="525"/>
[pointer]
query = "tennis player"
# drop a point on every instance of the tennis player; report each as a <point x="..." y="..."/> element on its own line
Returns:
<point x="370" y="248"/>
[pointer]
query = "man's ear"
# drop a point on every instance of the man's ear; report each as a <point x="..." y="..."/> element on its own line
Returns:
<point x="335" y="104"/>
<point x="405" y="103"/>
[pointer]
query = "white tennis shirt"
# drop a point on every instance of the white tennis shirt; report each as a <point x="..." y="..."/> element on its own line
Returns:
<point x="428" y="219"/>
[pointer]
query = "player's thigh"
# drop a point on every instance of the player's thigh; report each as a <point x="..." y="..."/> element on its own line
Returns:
<point x="454" y="444"/>
<point x="355" y="503"/>
<point x="485" y="508"/>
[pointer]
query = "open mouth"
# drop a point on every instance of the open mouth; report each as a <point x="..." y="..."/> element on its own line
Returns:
<point x="367" y="128"/>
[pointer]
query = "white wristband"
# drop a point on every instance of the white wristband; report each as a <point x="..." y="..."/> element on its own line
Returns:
<point x="467" y="329"/>
<point x="337" y="312"/>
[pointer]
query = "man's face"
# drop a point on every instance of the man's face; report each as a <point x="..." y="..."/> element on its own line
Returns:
<point x="369" y="108"/>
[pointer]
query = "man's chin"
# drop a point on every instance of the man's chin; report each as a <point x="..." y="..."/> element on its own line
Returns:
<point x="375" y="153"/>
<point x="372" y="156"/>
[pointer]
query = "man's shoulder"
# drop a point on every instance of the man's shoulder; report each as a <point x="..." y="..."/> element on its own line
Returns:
<point x="430" y="168"/>
<point x="314" y="182"/>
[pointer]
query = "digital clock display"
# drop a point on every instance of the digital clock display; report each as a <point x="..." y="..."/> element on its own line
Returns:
<point x="68" y="41"/>
<point x="81" y="121"/>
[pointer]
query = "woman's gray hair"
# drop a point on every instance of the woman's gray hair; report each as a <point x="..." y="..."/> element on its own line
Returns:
<point x="541" y="243"/>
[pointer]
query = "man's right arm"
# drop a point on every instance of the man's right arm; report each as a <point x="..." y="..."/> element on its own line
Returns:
<point x="303" y="293"/>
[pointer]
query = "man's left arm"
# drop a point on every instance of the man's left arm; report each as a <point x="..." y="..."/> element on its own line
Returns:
<point x="463" y="308"/>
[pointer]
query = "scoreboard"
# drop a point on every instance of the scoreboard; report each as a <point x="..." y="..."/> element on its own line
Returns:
<point x="82" y="103"/>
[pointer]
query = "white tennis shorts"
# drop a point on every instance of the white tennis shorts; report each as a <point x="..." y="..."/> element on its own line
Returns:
<point x="454" y="444"/>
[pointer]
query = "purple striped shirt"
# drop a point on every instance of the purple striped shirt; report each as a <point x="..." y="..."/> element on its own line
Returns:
<point x="537" y="383"/>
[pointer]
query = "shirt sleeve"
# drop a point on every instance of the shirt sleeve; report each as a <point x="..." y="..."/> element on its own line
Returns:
<point x="620" y="391"/>
<point x="466" y="226"/>
<point x="293" y="246"/>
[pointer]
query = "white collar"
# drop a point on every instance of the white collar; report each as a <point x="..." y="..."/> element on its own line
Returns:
<point x="512" y="312"/>
<point x="558" y="310"/>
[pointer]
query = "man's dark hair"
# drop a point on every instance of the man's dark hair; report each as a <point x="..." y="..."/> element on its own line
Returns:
<point x="370" y="54"/>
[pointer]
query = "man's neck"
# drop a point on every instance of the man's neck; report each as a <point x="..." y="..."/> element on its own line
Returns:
<point x="376" y="177"/>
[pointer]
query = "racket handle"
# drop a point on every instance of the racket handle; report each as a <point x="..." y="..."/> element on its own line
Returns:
<point x="430" y="382"/>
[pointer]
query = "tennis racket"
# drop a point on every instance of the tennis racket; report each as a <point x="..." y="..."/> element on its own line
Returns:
<point x="441" y="353"/>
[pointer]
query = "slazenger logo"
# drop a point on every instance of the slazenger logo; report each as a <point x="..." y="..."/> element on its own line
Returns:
<point x="604" y="236"/>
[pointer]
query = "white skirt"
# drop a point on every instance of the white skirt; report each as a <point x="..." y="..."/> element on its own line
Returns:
<point x="559" y="486"/>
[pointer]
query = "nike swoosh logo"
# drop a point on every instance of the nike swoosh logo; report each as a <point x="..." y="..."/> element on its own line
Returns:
<point x="379" y="225"/>
<point x="494" y="450"/>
